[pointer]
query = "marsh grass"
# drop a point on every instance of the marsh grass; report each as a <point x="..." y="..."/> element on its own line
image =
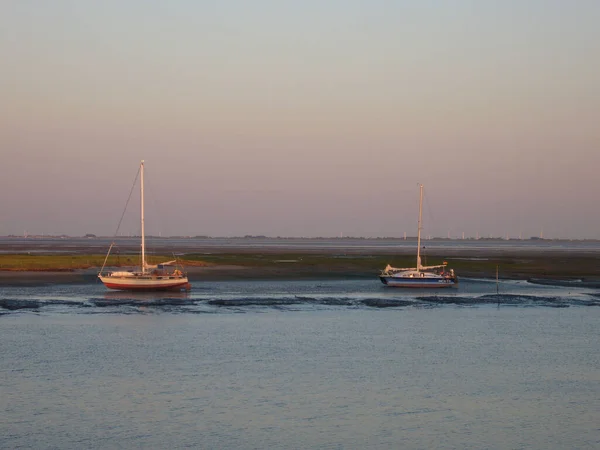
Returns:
<point x="37" y="262"/>
<point x="521" y="266"/>
<point x="509" y="266"/>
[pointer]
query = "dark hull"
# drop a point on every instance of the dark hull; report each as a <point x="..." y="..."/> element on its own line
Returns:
<point x="415" y="282"/>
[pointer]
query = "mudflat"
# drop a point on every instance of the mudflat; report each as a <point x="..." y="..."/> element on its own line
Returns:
<point x="55" y="262"/>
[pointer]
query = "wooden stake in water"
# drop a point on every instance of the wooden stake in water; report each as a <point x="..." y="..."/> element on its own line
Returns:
<point x="497" y="282"/>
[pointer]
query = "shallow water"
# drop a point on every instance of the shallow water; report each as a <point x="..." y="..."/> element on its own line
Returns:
<point x="247" y="296"/>
<point x="303" y="364"/>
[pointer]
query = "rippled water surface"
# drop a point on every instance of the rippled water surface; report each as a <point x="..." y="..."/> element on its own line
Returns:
<point x="305" y="364"/>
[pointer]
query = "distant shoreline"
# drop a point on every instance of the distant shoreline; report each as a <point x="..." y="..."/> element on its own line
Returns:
<point x="77" y="260"/>
<point x="226" y="264"/>
<point x="91" y="238"/>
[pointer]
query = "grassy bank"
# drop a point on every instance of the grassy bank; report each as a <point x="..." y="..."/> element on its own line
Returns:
<point x="509" y="266"/>
<point x="294" y="265"/>
<point x="64" y="262"/>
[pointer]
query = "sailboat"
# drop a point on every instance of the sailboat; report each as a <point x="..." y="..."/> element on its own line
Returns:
<point x="420" y="276"/>
<point x="159" y="277"/>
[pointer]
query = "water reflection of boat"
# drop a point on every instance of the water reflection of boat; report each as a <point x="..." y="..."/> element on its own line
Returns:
<point x="142" y="298"/>
<point x="146" y="295"/>
<point x="420" y="276"/>
<point x="160" y="277"/>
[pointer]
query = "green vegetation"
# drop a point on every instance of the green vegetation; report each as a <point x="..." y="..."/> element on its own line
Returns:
<point x="569" y="266"/>
<point x="364" y="262"/>
<point x="319" y="264"/>
<point x="509" y="266"/>
<point x="65" y="262"/>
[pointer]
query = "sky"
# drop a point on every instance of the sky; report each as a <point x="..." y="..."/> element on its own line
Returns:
<point x="312" y="118"/>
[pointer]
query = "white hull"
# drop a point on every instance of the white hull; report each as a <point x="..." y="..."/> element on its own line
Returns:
<point x="146" y="279"/>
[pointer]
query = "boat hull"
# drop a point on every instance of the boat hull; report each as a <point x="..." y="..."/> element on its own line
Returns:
<point x="420" y="276"/>
<point x="145" y="283"/>
<point x="418" y="282"/>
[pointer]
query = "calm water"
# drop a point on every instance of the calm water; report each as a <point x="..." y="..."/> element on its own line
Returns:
<point x="305" y="364"/>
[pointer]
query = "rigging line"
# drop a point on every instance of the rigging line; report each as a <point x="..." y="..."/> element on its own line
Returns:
<point x="127" y="203"/>
<point x="121" y="220"/>
<point x="106" y="258"/>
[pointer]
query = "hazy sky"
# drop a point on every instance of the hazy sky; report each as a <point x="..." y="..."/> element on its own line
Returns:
<point x="301" y="118"/>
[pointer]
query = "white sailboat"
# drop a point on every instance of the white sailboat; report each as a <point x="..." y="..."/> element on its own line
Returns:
<point x="159" y="277"/>
<point x="420" y="276"/>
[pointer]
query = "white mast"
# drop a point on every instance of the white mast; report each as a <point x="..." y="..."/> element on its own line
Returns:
<point x="419" y="228"/>
<point x="142" y="216"/>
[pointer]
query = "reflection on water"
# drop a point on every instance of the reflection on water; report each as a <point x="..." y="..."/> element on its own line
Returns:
<point x="115" y="298"/>
<point x="144" y="296"/>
